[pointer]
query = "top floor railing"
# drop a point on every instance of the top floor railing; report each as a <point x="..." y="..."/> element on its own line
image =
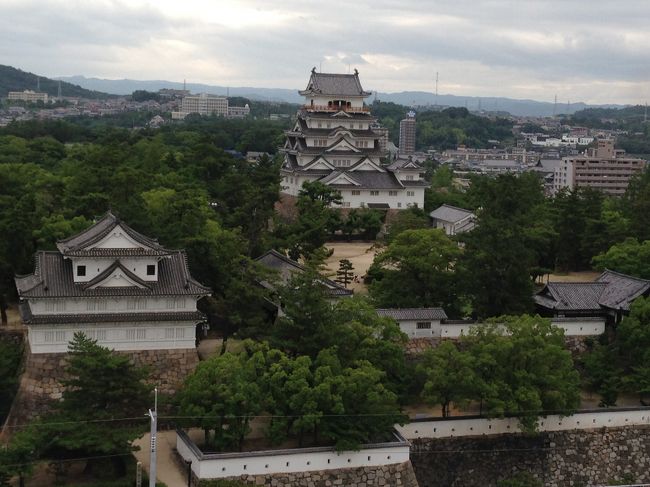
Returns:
<point x="336" y="108"/>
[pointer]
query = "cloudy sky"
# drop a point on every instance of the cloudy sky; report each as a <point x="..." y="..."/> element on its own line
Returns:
<point x="597" y="51"/>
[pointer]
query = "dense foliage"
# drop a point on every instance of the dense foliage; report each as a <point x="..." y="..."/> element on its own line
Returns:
<point x="445" y="129"/>
<point x="517" y="365"/>
<point x="12" y="79"/>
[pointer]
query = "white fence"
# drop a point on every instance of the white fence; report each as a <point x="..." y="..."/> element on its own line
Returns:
<point x="475" y="426"/>
<point x="571" y="327"/>
<point x="220" y="465"/>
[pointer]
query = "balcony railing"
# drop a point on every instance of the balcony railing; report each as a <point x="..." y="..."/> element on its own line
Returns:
<point x="336" y="108"/>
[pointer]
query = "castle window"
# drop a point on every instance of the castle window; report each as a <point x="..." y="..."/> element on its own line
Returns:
<point x="392" y="193"/>
<point x="151" y="270"/>
<point x="356" y="192"/>
<point x="81" y="270"/>
<point x="410" y="193"/>
<point x="423" y="325"/>
<point x="374" y="193"/>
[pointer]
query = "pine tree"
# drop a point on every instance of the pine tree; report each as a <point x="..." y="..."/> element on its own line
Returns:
<point x="345" y="273"/>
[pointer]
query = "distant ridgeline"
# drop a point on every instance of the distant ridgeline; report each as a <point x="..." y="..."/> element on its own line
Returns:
<point x="12" y="79"/>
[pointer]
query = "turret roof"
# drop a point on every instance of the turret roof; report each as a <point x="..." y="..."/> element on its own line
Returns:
<point x="334" y="84"/>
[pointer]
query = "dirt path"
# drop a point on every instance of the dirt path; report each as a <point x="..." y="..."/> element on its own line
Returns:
<point x="361" y="254"/>
<point x="167" y="467"/>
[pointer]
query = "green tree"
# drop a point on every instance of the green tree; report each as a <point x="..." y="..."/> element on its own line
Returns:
<point x="417" y="269"/>
<point x="449" y="376"/>
<point x="409" y="219"/>
<point x="633" y="338"/>
<point x="500" y="252"/>
<point x="106" y="393"/>
<point x="636" y="205"/>
<point x="525" y="368"/>
<point x="315" y="222"/>
<point x="629" y="257"/>
<point x="10" y="359"/>
<point x="345" y="273"/>
<point x="221" y="396"/>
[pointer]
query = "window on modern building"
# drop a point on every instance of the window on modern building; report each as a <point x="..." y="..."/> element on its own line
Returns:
<point x="81" y="270"/>
<point x="151" y="269"/>
<point x="423" y="325"/>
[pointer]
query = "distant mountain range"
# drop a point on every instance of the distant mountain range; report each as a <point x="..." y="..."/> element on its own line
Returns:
<point x="13" y="79"/>
<point x="407" y="98"/>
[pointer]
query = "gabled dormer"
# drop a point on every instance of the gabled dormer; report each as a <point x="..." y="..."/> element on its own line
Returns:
<point x="343" y="144"/>
<point x="116" y="275"/>
<point x="97" y="248"/>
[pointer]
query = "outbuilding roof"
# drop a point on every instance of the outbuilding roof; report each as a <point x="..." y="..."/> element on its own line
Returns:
<point x="612" y="290"/>
<point x="286" y="267"/>
<point x="451" y="214"/>
<point x="421" y="314"/>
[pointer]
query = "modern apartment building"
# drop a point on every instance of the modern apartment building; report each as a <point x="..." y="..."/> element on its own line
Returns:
<point x="27" y="95"/>
<point x="407" y="134"/>
<point x="603" y="167"/>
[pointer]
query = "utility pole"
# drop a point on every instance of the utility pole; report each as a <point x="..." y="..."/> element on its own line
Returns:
<point x="154" y="426"/>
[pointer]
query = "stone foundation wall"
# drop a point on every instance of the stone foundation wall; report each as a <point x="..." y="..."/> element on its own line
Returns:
<point x="567" y="458"/>
<point x="400" y="474"/>
<point x="40" y="383"/>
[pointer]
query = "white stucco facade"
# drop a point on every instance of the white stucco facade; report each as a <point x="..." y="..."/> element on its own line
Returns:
<point x="114" y="285"/>
<point x="159" y="335"/>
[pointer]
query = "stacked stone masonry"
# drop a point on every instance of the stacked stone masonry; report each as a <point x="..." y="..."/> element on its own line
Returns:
<point x="396" y="475"/>
<point x="558" y="459"/>
<point x="40" y="383"/>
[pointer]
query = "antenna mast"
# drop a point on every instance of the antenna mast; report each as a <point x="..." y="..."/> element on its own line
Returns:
<point x="436" y="98"/>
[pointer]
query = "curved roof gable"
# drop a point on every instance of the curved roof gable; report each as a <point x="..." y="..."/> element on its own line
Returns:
<point x="87" y="240"/>
<point x="334" y="84"/>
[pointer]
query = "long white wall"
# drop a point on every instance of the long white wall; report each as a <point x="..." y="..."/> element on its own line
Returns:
<point x="116" y="336"/>
<point x="571" y="327"/>
<point x="287" y="461"/>
<point x="445" y="428"/>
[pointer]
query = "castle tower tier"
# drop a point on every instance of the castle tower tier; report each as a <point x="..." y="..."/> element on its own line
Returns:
<point x="338" y="142"/>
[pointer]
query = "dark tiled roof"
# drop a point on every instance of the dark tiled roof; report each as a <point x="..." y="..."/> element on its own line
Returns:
<point x="572" y="296"/>
<point x="450" y="213"/>
<point x="370" y="180"/>
<point x="113" y="253"/>
<point x="53" y="278"/>
<point x="413" y="313"/>
<point x="286" y="267"/>
<point x="612" y="290"/>
<point x="400" y="163"/>
<point x="333" y="117"/>
<point x="101" y="229"/>
<point x="334" y="84"/>
<point x="621" y="289"/>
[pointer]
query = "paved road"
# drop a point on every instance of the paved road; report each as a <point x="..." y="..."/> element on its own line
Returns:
<point x="168" y="469"/>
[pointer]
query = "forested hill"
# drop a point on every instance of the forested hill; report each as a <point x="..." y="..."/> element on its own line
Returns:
<point x="12" y="79"/>
<point x="445" y="129"/>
